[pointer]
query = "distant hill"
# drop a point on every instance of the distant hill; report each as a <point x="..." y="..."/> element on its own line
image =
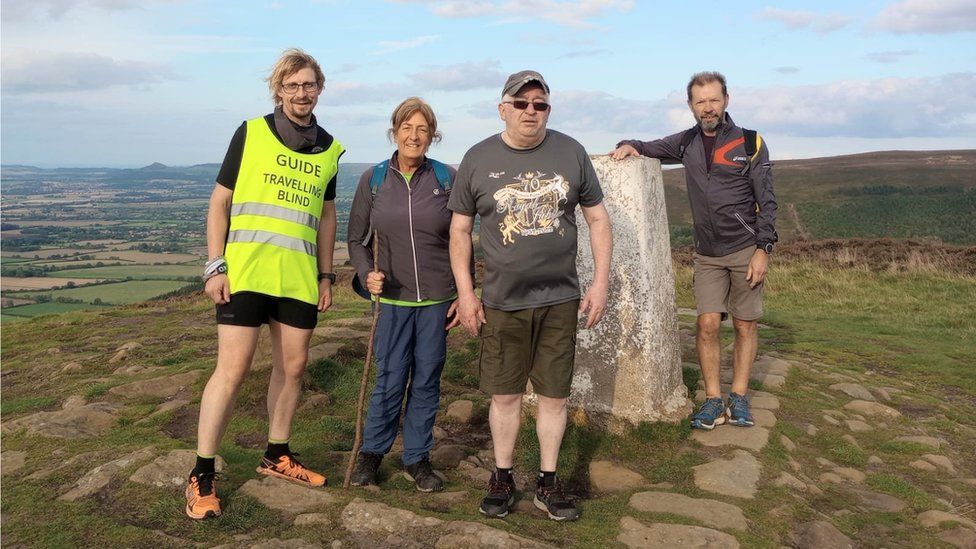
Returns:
<point x="897" y="194"/>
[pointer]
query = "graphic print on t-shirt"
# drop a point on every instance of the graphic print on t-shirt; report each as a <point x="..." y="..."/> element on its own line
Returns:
<point x="532" y="205"/>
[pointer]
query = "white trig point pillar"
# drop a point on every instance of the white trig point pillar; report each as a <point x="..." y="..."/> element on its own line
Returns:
<point x="628" y="368"/>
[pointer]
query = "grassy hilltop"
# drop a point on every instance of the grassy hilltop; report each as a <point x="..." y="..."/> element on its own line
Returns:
<point x="901" y="330"/>
<point x="894" y="194"/>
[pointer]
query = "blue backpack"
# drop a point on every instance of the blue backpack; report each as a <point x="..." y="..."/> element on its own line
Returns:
<point x="440" y="172"/>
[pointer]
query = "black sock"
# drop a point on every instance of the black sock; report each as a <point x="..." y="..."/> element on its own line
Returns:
<point x="547" y="478"/>
<point x="276" y="450"/>
<point x="503" y="475"/>
<point x="204" y="466"/>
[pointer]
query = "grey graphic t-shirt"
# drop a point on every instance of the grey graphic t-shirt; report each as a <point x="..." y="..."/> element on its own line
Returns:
<point x="527" y="201"/>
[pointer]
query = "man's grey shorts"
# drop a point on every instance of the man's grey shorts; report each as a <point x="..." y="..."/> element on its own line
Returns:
<point x="721" y="285"/>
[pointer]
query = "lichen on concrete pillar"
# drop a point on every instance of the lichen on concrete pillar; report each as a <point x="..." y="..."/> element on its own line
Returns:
<point x="628" y="368"/>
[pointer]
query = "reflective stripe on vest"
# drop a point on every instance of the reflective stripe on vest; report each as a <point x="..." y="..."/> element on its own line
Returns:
<point x="265" y="237"/>
<point x="272" y="241"/>
<point x="277" y="212"/>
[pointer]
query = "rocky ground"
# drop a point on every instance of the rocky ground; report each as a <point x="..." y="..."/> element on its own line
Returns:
<point x="98" y="430"/>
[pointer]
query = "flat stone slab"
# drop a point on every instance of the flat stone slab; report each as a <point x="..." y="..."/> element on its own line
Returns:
<point x="381" y="520"/>
<point x="160" y="387"/>
<point x="341" y="332"/>
<point x="821" y="535"/>
<point x="101" y="476"/>
<point x="859" y="426"/>
<point x="464" y="534"/>
<point x="461" y="411"/>
<point x="931" y="442"/>
<point x="941" y="461"/>
<point x="763" y="417"/>
<point x="12" y="461"/>
<point x="91" y="420"/>
<point x="932" y="519"/>
<point x="715" y="514"/>
<point x="605" y="476"/>
<point x="287" y="496"/>
<point x="853" y="390"/>
<point x="960" y="537"/>
<point x="170" y="470"/>
<point x="634" y="534"/>
<point x="730" y="477"/>
<point x="870" y="408"/>
<point x="323" y="351"/>
<point x="447" y="456"/>
<point x="786" y="479"/>
<point x="882" y="502"/>
<point x="771" y="365"/>
<point x="752" y="438"/>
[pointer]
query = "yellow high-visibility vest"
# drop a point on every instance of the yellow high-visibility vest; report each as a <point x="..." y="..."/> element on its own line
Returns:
<point x="274" y="219"/>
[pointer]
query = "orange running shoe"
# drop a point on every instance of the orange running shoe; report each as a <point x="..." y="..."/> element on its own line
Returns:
<point x="201" y="497"/>
<point x="289" y="468"/>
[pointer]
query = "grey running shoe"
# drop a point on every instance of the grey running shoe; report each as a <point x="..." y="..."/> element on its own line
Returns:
<point x="738" y="411"/>
<point x="711" y="413"/>
<point x="500" y="497"/>
<point x="553" y="501"/>
<point x="423" y="476"/>
<point x="366" y="467"/>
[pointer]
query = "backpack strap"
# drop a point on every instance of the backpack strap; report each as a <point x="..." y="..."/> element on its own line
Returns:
<point x="752" y="141"/>
<point x="686" y="140"/>
<point x="379" y="174"/>
<point x="442" y="174"/>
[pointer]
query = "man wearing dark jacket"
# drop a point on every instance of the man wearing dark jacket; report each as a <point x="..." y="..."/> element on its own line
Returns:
<point x="730" y="187"/>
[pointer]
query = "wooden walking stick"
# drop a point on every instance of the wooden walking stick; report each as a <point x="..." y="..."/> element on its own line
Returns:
<point x="366" y="365"/>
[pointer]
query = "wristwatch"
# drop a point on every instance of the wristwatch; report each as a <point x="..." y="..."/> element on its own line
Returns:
<point x="330" y="276"/>
<point x="767" y="247"/>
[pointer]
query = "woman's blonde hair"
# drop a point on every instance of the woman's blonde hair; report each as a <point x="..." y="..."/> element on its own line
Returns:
<point x="291" y="61"/>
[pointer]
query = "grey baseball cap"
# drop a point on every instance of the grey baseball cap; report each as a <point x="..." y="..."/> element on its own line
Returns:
<point x="516" y="81"/>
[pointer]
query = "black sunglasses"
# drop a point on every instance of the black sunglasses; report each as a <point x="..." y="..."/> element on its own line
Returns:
<point x="522" y="104"/>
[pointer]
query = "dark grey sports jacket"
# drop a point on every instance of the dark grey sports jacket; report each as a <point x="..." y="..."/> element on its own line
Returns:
<point x="413" y="224"/>
<point x="724" y="199"/>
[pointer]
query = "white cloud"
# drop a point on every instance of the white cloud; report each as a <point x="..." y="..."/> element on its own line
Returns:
<point x="390" y="46"/>
<point x="584" y="53"/>
<point x="355" y="93"/>
<point x="787" y="70"/>
<point x="926" y="16"/>
<point x="883" y="108"/>
<point x="18" y="10"/>
<point x="460" y="76"/>
<point x="887" y="108"/>
<point x="26" y="72"/>
<point x="889" y="56"/>
<point x="795" y="19"/>
<point x="576" y="13"/>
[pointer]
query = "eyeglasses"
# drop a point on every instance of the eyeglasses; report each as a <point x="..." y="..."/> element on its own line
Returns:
<point x="522" y="104"/>
<point x="292" y="87"/>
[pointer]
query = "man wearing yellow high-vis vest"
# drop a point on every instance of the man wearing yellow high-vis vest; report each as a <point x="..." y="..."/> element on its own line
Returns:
<point x="271" y="231"/>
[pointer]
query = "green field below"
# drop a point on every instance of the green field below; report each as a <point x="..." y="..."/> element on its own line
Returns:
<point x="13" y="314"/>
<point x="136" y="272"/>
<point x="117" y="293"/>
<point x="949" y="217"/>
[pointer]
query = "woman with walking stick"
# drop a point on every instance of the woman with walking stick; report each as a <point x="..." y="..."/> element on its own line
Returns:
<point x="402" y="202"/>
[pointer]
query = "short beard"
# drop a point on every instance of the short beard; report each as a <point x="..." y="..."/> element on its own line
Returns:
<point x="710" y="126"/>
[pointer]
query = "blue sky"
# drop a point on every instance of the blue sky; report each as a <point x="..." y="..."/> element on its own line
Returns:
<point x="123" y="83"/>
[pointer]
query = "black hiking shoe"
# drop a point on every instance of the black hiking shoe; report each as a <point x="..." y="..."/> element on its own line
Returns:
<point x="553" y="501"/>
<point x="423" y="476"/>
<point x="500" y="497"/>
<point x="366" y="467"/>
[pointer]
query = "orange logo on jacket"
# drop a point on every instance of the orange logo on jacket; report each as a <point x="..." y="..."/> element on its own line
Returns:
<point x="719" y="156"/>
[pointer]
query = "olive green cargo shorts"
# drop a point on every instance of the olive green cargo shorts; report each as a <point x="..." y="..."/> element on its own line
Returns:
<point x="537" y="344"/>
<point x="721" y="285"/>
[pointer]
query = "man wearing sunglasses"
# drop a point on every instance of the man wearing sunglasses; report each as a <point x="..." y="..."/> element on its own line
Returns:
<point x="730" y="187"/>
<point x="525" y="183"/>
